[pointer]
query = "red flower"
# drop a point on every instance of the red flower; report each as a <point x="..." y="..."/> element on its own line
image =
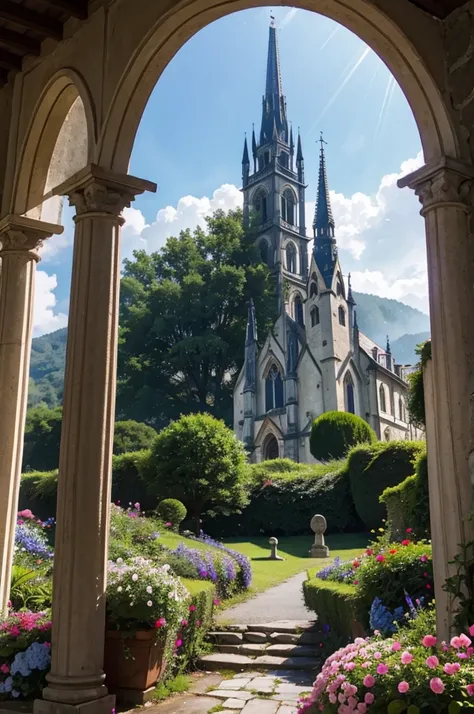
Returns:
<point x="160" y="623"/>
<point x="355" y="582"/>
<point x="405" y="542"/>
<point x="192" y="608"/>
<point x="393" y="551"/>
<point x="409" y="530"/>
<point x="369" y="551"/>
<point x="356" y="564"/>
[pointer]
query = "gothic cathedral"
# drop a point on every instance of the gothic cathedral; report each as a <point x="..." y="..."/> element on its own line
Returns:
<point x="314" y="359"/>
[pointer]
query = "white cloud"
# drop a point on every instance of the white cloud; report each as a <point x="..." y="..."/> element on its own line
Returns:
<point x="44" y="318"/>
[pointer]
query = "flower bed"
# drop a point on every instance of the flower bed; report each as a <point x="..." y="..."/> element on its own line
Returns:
<point x="24" y="654"/>
<point x="410" y="672"/>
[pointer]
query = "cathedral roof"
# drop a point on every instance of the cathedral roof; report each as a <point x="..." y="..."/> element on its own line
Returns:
<point x="274" y="103"/>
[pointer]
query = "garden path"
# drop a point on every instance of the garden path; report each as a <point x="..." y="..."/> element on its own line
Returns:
<point x="282" y="602"/>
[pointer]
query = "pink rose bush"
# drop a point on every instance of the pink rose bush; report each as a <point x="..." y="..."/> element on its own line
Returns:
<point x="421" y="673"/>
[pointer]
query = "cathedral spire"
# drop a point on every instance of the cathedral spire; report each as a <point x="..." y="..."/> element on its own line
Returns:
<point x="245" y="155"/>
<point x="323" y="224"/>
<point x="251" y="325"/>
<point x="350" y="297"/>
<point x="274" y="105"/>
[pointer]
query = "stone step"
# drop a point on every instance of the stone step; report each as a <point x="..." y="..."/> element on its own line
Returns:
<point x="226" y="638"/>
<point x="239" y="663"/>
<point x="278" y="650"/>
<point x="288" y="638"/>
<point x="283" y="626"/>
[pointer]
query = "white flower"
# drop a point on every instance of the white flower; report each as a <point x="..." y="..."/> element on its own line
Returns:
<point x="132" y="603"/>
<point x="166" y="567"/>
<point x="134" y="577"/>
<point x="119" y="560"/>
<point x="170" y="595"/>
<point x="149" y="603"/>
<point x="149" y="589"/>
<point x="119" y="589"/>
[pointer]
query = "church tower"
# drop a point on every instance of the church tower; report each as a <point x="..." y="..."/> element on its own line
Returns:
<point x="274" y="190"/>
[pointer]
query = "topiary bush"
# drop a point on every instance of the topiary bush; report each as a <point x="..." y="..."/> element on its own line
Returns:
<point x="284" y="502"/>
<point x="408" y="504"/>
<point x="371" y="468"/>
<point x="333" y="434"/>
<point x="172" y="511"/>
<point x="336" y="604"/>
<point x="132" y="436"/>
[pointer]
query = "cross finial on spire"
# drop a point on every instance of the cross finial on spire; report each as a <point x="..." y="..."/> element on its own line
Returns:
<point x="321" y="140"/>
<point x="272" y="20"/>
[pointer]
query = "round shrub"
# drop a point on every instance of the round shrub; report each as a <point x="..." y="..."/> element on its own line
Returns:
<point x="132" y="435"/>
<point x="333" y="434"/>
<point x="172" y="511"/>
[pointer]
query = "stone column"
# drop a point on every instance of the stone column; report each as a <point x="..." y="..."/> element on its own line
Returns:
<point x="76" y="680"/>
<point x="444" y="190"/>
<point x="20" y="239"/>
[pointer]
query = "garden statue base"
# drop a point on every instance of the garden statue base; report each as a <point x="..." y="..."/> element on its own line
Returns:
<point x="103" y="705"/>
<point x="133" y="664"/>
<point x="319" y="551"/>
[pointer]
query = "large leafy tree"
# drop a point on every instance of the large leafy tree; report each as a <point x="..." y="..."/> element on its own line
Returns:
<point x="183" y="315"/>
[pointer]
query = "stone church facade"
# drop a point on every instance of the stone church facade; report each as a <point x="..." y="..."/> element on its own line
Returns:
<point x="314" y="359"/>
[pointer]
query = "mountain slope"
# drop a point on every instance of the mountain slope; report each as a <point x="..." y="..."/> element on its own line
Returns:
<point x="377" y="317"/>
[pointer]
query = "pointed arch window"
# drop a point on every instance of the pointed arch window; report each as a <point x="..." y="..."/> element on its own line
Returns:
<point x="263" y="247"/>
<point x="314" y="314"/>
<point x="271" y="450"/>
<point x="291" y="258"/>
<point x="299" y="316"/>
<point x="401" y="409"/>
<point x="260" y="205"/>
<point x="342" y="315"/>
<point x="313" y="289"/>
<point x="382" y="398"/>
<point x="273" y="389"/>
<point x="350" y="401"/>
<point x="288" y="204"/>
<point x="284" y="159"/>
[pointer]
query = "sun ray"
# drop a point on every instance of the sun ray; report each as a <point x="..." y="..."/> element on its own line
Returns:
<point x="385" y="104"/>
<point x="328" y="39"/>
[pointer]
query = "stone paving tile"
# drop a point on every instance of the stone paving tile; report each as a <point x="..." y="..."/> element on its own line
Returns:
<point x="187" y="703"/>
<point x="261" y="706"/>
<point x="234" y="704"/>
<point x="225" y="693"/>
<point x="287" y="709"/>
<point x="292" y="689"/>
<point x="235" y="683"/>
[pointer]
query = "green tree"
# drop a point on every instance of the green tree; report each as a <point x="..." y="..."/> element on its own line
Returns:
<point x="333" y="434"/>
<point x="132" y="436"/>
<point x="416" y="392"/>
<point x="42" y="438"/>
<point x="183" y="314"/>
<point x="198" y="460"/>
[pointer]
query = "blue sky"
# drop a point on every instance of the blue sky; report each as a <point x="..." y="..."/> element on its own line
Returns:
<point x="191" y="136"/>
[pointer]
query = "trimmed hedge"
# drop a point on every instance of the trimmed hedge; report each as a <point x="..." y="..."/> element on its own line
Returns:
<point x="337" y="605"/>
<point x="334" y="433"/>
<point x="38" y="489"/>
<point x="408" y="503"/>
<point x="284" y="504"/>
<point x="371" y="468"/>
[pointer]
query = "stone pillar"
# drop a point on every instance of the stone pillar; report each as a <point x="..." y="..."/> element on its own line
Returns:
<point x="444" y="190"/>
<point x="76" y="680"/>
<point x="20" y="239"/>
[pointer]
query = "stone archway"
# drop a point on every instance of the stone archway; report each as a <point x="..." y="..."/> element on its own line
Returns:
<point x="270" y="448"/>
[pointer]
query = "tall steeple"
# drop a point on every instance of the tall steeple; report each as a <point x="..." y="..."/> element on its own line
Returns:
<point x="273" y="104"/>
<point x="245" y="163"/>
<point x="324" y="249"/>
<point x="323" y="224"/>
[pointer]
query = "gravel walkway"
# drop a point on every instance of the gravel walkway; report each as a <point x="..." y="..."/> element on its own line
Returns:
<point x="283" y="602"/>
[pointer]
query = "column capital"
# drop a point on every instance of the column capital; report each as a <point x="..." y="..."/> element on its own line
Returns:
<point x="445" y="182"/>
<point x="19" y="234"/>
<point x="94" y="189"/>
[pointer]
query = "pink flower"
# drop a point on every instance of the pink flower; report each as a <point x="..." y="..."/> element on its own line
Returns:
<point x="184" y="623"/>
<point x="405" y="542"/>
<point x="178" y="643"/>
<point x="168" y="525"/>
<point x="377" y="655"/>
<point x="436" y="685"/>
<point x="470" y="690"/>
<point x="198" y="623"/>
<point x="432" y="662"/>
<point x="369" y="681"/>
<point x="429" y="641"/>
<point x="5" y="668"/>
<point x="471" y="630"/>
<point x="216" y="602"/>
<point x="14" y="631"/>
<point x="406" y="657"/>
<point x="349" y="666"/>
<point x="423" y="558"/>
<point x="350" y="690"/>
<point x="362" y="708"/>
<point x="369" y="698"/>
<point x="355" y="582"/>
<point x="192" y="608"/>
<point x="403" y="687"/>
<point x="137" y="506"/>
<point x="160" y="623"/>
<point x="382" y="668"/>
<point x="451" y="667"/>
<point x="409" y="530"/>
<point x="396" y="646"/>
<point x="380" y="558"/>
<point x="369" y="551"/>
<point x="26" y="513"/>
<point x="461" y="641"/>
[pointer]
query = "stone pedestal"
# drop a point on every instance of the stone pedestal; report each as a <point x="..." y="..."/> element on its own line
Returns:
<point x="319" y="549"/>
<point x="20" y="239"/>
<point x="444" y="191"/>
<point x="80" y="562"/>
<point x="274" y="546"/>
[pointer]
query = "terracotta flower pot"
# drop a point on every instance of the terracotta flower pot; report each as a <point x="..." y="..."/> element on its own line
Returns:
<point x="132" y="661"/>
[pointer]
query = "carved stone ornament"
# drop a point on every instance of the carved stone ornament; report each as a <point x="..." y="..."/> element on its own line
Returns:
<point x="15" y="240"/>
<point x="445" y="186"/>
<point x="97" y="197"/>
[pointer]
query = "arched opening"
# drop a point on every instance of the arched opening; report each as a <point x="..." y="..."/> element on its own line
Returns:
<point x="271" y="450"/>
<point x="260" y="205"/>
<point x="291" y="257"/>
<point x="349" y="393"/>
<point x="314" y="314"/>
<point x="288" y="207"/>
<point x="273" y="389"/>
<point x="401" y="409"/>
<point x="342" y="316"/>
<point x="313" y="289"/>
<point x="298" y="312"/>
<point x="382" y="399"/>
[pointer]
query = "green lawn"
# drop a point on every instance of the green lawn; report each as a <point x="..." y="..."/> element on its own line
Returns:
<point x="267" y="573"/>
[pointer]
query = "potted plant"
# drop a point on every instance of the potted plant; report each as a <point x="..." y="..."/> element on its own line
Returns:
<point x="145" y="606"/>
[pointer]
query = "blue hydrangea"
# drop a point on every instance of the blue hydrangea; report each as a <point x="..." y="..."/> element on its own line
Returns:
<point x="37" y="656"/>
<point x="383" y="619"/>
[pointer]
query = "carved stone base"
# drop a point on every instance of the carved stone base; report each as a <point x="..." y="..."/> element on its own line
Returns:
<point x="104" y="705"/>
<point x="319" y="551"/>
